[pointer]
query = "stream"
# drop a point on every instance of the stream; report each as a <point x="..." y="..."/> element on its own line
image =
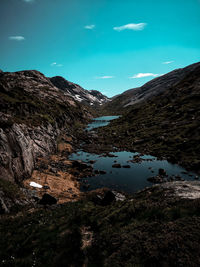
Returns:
<point x="130" y="174"/>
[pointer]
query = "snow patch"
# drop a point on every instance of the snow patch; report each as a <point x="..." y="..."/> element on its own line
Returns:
<point x="35" y="185"/>
<point x="77" y="97"/>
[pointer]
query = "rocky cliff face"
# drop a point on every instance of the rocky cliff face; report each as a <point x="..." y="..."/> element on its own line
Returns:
<point x="33" y="114"/>
<point x="87" y="97"/>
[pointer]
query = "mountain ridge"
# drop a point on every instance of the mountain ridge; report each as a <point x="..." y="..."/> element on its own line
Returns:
<point x="165" y="125"/>
<point x="150" y="89"/>
<point x="33" y="115"/>
<point x="88" y="97"/>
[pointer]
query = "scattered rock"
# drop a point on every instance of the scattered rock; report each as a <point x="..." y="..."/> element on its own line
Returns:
<point x="156" y="179"/>
<point x="79" y="165"/>
<point x="104" y="198"/>
<point x="162" y="172"/>
<point x="116" y="165"/>
<point x="102" y="172"/>
<point x="126" y="166"/>
<point x="92" y="161"/>
<point x="119" y="196"/>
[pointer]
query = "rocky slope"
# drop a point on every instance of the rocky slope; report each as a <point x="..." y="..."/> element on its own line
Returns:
<point x="155" y="227"/>
<point x="87" y="97"/>
<point x="150" y="89"/>
<point x="33" y="115"/>
<point x="165" y="125"/>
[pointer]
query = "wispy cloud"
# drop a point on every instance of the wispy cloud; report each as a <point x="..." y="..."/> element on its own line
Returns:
<point x="17" y="38"/>
<point x="168" y="62"/>
<point x="90" y="27"/>
<point x="54" y="64"/>
<point x="105" y="77"/>
<point x="142" y="75"/>
<point x="131" y="26"/>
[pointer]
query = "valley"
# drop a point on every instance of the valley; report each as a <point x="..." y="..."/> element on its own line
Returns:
<point x="79" y="191"/>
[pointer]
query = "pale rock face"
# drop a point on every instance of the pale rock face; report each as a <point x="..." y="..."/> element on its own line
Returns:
<point x="20" y="146"/>
<point x="22" y="94"/>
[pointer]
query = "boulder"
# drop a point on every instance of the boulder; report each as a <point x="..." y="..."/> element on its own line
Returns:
<point x="79" y="165"/>
<point x="162" y="172"/>
<point x="102" y="172"/>
<point x="92" y="161"/>
<point x="116" y="165"/>
<point x="104" y="199"/>
<point x="156" y="179"/>
<point x="126" y="166"/>
<point x="47" y="200"/>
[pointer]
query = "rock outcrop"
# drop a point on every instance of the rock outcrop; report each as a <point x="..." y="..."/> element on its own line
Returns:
<point x="33" y="114"/>
<point x="20" y="145"/>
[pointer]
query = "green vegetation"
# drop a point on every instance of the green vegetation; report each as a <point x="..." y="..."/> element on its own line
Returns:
<point x="147" y="230"/>
<point x="166" y="126"/>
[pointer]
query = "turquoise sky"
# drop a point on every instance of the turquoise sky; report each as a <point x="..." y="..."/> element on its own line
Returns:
<point x="107" y="45"/>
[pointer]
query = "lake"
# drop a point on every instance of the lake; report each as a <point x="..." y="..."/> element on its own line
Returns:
<point x="100" y="121"/>
<point x="128" y="179"/>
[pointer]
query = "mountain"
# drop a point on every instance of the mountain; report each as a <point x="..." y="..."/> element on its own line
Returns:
<point x="157" y="226"/>
<point x="164" y="121"/>
<point x="34" y="114"/>
<point x="152" y="88"/>
<point x="87" y="97"/>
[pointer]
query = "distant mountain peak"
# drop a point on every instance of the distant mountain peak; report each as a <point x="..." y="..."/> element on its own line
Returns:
<point x="89" y="97"/>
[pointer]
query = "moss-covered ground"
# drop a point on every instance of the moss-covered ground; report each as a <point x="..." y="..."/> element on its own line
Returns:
<point x="149" y="229"/>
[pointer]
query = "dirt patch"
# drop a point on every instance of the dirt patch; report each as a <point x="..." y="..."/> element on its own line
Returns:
<point x="65" y="147"/>
<point x="57" y="178"/>
<point x="62" y="186"/>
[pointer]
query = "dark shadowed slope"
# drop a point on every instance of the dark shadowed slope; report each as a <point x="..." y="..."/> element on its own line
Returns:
<point x="147" y="91"/>
<point x="167" y="124"/>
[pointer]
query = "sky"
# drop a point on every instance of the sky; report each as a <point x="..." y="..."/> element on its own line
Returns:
<point x="105" y="45"/>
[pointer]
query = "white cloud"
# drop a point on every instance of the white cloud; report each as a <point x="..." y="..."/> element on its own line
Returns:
<point x="142" y="75"/>
<point x="90" y="27"/>
<point x="17" y="38"/>
<point x="105" y="77"/>
<point x="131" y="26"/>
<point x="56" y="64"/>
<point x="168" y="62"/>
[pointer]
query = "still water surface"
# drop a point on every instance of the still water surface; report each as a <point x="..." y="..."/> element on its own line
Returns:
<point x="130" y="179"/>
